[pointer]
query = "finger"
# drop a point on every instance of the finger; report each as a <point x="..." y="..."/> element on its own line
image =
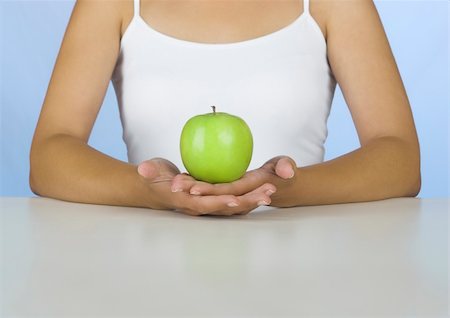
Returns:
<point x="247" y="183"/>
<point x="157" y="170"/>
<point x="285" y="167"/>
<point x="182" y="182"/>
<point x="148" y="169"/>
<point x="266" y="189"/>
<point x="165" y="166"/>
<point x="224" y="205"/>
<point x="187" y="183"/>
<point x="258" y="197"/>
<point x="207" y="205"/>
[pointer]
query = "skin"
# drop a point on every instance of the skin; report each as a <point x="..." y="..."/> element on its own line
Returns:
<point x="387" y="164"/>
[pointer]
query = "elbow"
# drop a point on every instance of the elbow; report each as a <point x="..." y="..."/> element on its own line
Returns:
<point x="405" y="171"/>
<point x="35" y="175"/>
<point x="42" y="165"/>
<point x="413" y="175"/>
<point x="414" y="187"/>
<point x="32" y="178"/>
<point x="33" y="183"/>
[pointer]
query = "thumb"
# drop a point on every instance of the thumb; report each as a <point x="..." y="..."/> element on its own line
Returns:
<point x="148" y="169"/>
<point x="286" y="167"/>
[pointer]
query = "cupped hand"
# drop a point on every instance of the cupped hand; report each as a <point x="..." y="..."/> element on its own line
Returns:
<point x="159" y="175"/>
<point x="280" y="172"/>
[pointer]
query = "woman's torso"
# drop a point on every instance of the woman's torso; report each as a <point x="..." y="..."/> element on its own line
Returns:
<point x="179" y="57"/>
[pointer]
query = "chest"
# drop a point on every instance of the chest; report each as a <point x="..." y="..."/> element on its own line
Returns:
<point x="219" y="21"/>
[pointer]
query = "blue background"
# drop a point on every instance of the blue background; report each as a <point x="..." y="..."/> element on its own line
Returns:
<point x="31" y="33"/>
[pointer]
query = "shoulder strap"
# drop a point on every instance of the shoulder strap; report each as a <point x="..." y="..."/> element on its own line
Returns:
<point x="306" y="6"/>
<point x="136" y="8"/>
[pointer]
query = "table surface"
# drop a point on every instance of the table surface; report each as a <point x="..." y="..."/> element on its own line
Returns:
<point x="383" y="258"/>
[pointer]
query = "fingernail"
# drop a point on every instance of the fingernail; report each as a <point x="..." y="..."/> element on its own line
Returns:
<point x="232" y="204"/>
<point x="195" y="192"/>
<point x="292" y="175"/>
<point x="177" y="190"/>
<point x="263" y="203"/>
<point x="270" y="192"/>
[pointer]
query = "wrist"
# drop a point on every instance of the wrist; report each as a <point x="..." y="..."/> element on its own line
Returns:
<point x="153" y="195"/>
<point x="288" y="194"/>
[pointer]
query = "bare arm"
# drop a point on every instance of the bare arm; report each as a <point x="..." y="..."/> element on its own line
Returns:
<point x="383" y="168"/>
<point x="62" y="164"/>
<point x="388" y="162"/>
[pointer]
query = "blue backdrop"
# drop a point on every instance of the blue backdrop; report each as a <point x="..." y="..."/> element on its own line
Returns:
<point x="31" y="33"/>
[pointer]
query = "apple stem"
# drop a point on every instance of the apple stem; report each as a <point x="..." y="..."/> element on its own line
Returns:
<point x="214" y="109"/>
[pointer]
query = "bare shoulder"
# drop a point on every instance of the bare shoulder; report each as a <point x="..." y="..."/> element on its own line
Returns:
<point x="103" y="9"/>
<point x="330" y="14"/>
<point x="120" y="12"/>
<point x="337" y="12"/>
<point x="82" y="70"/>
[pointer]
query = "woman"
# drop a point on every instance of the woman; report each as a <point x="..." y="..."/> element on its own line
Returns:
<point x="275" y="64"/>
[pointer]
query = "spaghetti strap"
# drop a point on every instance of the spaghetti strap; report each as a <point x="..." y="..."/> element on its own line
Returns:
<point x="136" y="8"/>
<point x="155" y="68"/>
<point x="306" y="6"/>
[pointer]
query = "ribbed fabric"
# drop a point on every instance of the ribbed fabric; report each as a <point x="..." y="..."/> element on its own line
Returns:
<point x="280" y="84"/>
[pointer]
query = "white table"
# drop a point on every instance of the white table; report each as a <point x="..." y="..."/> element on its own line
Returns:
<point x="378" y="259"/>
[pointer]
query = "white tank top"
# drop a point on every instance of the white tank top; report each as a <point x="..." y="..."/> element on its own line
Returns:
<point x="280" y="84"/>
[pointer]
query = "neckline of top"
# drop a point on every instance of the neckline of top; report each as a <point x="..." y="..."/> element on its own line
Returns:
<point x="251" y="41"/>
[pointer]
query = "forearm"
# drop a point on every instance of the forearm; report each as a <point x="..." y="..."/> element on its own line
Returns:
<point x="385" y="168"/>
<point x="64" y="167"/>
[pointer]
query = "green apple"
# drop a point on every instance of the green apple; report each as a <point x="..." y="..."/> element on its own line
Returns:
<point x="216" y="147"/>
